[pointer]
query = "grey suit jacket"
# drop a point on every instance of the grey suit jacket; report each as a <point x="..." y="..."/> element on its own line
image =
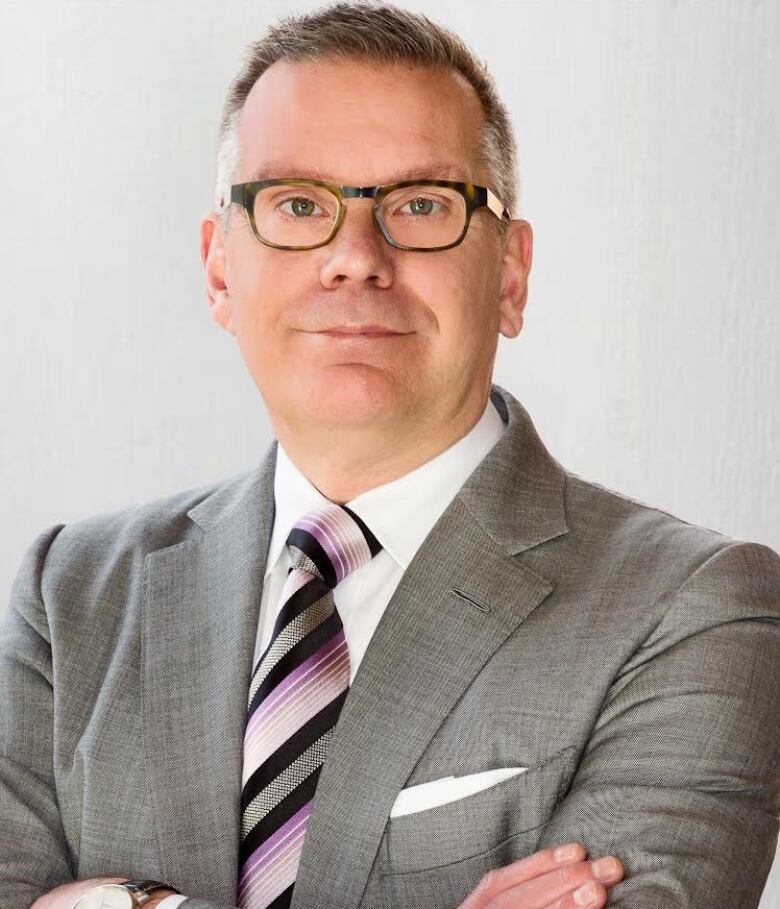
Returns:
<point x="628" y="659"/>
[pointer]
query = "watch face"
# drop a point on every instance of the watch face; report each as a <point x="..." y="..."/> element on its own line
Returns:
<point x="107" y="896"/>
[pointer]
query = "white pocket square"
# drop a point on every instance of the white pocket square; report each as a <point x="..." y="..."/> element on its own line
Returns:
<point x="448" y="789"/>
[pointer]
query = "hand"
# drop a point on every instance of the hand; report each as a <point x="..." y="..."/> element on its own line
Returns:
<point x="541" y="881"/>
<point x="64" y="896"/>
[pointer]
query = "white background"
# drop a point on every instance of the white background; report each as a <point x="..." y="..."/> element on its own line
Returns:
<point x="649" y="150"/>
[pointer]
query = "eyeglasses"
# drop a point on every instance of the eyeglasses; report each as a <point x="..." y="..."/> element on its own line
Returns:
<point x="420" y="215"/>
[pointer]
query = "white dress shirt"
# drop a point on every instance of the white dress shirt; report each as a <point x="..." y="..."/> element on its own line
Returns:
<point x="400" y="514"/>
<point x="172" y="901"/>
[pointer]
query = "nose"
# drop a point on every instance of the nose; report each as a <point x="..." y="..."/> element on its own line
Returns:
<point x="358" y="252"/>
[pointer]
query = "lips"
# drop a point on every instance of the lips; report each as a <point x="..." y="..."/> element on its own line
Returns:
<point x="359" y="330"/>
<point x="347" y="334"/>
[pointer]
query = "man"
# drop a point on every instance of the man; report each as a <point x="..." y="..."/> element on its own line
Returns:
<point x="472" y="655"/>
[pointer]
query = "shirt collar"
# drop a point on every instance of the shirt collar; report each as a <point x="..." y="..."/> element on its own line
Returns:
<point x="400" y="513"/>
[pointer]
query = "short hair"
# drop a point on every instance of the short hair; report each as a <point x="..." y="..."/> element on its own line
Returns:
<point x="378" y="33"/>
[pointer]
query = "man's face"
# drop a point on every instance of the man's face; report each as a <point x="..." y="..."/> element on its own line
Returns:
<point x="440" y="312"/>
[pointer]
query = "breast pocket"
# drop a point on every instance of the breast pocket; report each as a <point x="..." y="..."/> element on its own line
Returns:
<point x="438" y="792"/>
<point x="436" y="856"/>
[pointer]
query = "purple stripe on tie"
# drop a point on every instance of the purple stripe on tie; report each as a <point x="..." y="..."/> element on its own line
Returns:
<point x="320" y="689"/>
<point x="341" y="539"/>
<point x="353" y="543"/>
<point x="313" y="696"/>
<point x="259" y="856"/>
<point x="296" y="714"/>
<point x="289" y="680"/>
<point x="344" y="539"/>
<point x="322" y="535"/>
<point x="295" y="580"/>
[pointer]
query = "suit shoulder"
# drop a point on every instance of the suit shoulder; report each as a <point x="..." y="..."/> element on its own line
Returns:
<point x="650" y="540"/>
<point x="133" y="531"/>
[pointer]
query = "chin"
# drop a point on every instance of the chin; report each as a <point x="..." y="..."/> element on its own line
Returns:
<point x="353" y="393"/>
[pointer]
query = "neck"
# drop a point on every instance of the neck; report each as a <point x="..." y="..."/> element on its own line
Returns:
<point x="343" y="463"/>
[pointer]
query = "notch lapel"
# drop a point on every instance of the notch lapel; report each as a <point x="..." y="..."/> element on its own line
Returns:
<point x="460" y="598"/>
<point x="201" y="611"/>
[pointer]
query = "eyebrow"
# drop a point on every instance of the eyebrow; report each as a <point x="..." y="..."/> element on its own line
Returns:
<point x="435" y="172"/>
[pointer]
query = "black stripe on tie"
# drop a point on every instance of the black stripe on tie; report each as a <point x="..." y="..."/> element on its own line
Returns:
<point x="311" y="546"/>
<point x="314" y="589"/>
<point x="279" y="815"/>
<point x="284" y="900"/>
<point x="373" y="544"/>
<point x="291" y="749"/>
<point x="296" y="655"/>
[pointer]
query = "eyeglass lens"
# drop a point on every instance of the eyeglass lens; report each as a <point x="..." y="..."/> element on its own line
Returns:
<point x="303" y="215"/>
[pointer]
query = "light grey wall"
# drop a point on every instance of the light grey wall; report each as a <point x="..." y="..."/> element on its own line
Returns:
<point x="649" y="143"/>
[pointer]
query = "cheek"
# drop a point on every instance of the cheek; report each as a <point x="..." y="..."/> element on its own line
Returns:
<point x="257" y="334"/>
<point x="455" y="295"/>
<point x="260" y="294"/>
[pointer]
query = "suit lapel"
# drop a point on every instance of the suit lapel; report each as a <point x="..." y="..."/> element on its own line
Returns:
<point x="460" y="598"/>
<point x="200" y="618"/>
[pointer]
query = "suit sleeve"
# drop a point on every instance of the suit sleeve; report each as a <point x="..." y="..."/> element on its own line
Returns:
<point x="680" y="778"/>
<point x="34" y="856"/>
<point x="34" y="853"/>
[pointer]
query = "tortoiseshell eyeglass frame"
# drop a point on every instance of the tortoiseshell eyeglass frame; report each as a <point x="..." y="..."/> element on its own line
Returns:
<point x="474" y="196"/>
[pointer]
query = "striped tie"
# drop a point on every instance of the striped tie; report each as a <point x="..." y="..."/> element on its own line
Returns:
<point x="295" y="696"/>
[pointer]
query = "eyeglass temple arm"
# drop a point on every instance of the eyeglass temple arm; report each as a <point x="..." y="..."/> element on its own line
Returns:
<point x="496" y="207"/>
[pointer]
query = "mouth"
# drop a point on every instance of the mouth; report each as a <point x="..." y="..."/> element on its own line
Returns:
<point x="365" y="331"/>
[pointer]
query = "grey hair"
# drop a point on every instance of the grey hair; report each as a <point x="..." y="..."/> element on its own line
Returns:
<point x="375" y="32"/>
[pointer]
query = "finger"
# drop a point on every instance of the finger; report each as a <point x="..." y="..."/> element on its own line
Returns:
<point x="592" y="895"/>
<point x="499" y="879"/>
<point x="556" y="888"/>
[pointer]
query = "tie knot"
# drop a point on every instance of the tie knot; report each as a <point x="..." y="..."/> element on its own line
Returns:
<point x="332" y="541"/>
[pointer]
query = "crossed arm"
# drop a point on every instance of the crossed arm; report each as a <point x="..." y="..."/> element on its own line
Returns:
<point x="681" y="776"/>
<point x="680" y="779"/>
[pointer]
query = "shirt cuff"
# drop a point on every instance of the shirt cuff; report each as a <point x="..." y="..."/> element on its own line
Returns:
<point x="171" y="902"/>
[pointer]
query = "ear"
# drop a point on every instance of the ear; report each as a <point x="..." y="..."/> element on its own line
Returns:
<point x="212" y="254"/>
<point x="515" y="266"/>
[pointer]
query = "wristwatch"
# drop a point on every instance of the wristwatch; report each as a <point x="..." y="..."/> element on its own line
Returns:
<point x="128" y="895"/>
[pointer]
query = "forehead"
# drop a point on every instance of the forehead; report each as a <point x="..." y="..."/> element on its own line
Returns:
<point x="353" y="122"/>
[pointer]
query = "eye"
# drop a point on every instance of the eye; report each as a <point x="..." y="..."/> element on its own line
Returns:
<point x="301" y="207"/>
<point x="425" y="205"/>
<point x="420" y="205"/>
